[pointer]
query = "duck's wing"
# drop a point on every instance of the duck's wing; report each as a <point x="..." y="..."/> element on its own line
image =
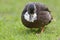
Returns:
<point x="44" y="17"/>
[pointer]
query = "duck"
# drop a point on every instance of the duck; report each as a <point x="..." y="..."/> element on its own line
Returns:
<point x="36" y="15"/>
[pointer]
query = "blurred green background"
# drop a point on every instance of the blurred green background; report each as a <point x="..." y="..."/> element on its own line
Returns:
<point x="11" y="27"/>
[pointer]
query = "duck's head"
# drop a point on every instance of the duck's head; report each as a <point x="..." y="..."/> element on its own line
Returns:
<point x="31" y="9"/>
<point x="31" y="15"/>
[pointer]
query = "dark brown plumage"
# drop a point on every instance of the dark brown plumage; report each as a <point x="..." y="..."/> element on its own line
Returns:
<point x="43" y="16"/>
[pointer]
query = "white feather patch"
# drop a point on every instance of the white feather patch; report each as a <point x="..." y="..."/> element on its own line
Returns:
<point x="27" y="17"/>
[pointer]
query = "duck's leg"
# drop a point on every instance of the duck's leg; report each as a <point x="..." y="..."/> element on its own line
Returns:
<point x="42" y="29"/>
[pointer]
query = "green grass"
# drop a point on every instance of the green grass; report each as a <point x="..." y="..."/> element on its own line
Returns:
<point x="11" y="27"/>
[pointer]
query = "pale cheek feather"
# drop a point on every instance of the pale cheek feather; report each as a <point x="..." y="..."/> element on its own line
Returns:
<point x="27" y="17"/>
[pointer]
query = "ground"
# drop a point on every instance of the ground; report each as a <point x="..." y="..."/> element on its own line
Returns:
<point x="11" y="27"/>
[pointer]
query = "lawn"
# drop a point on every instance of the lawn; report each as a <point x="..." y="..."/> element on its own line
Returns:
<point x="11" y="27"/>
